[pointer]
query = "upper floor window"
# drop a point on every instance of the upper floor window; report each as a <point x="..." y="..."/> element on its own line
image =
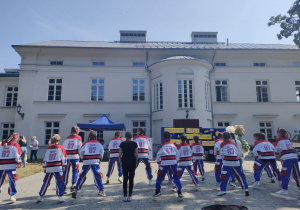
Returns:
<point x="56" y="63"/>
<point x="297" y="83"/>
<point x="221" y="90"/>
<point x="262" y="91"/>
<point x="185" y="93"/>
<point x="138" y="90"/>
<point x="259" y="64"/>
<point x="11" y="96"/>
<point x="221" y="64"/>
<point x="97" y="90"/>
<point x="98" y="63"/>
<point x="7" y="129"/>
<point x="207" y="96"/>
<point x="266" y="128"/>
<point x="138" y="63"/>
<point x="55" y="88"/>
<point x="51" y="128"/>
<point x="158" y="96"/>
<point x="296" y="64"/>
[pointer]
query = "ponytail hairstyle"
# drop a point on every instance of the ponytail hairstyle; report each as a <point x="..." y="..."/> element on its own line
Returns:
<point x="183" y="138"/>
<point x="142" y="131"/>
<point x="128" y="136"/>
<point x="282" y="133"/>
<point x="261" y="136"/>
<point x="8" y="139"/>
<point x="92" y="135"/>
<point x="196" y="139"/>
<point x="15" y="136"/>
<point x="226" y="136"/>
<point x="23" y="139"/>
<point x="55" y="139"/>
<point x="75" y="129"/>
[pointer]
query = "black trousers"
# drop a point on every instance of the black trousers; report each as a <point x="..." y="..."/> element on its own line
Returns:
<point x="33" y="153"/>
<point x="128" y="174"/>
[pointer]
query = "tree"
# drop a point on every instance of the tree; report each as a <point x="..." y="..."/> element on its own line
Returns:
<point x="290" y="24"/>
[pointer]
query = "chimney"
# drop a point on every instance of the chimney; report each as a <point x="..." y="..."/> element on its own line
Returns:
<point x="204" y="37"/>
<point x="132" y="36"/>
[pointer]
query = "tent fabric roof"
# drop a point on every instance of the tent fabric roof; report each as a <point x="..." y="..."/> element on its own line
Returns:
<point x="103" y="123"/>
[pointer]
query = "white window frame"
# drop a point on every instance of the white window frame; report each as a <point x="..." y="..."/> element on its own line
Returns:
<point x="56" y="84"/>
<point x="223" y="124"/>
<point x="158" y="96"/>
<point x="262" y="87"/>
<point x="188" y="97"/>
<point x="140" y="124"/>
<point x="9" y="129"/>
<point x="297" y="84"/>
<point x="223" y="88"/>
<point x="139" y="86"/>
<point x="266" y="127"/>
<point x="207" y="96"/>
<point x="53" y="130"/>
<point x="14" y="97"/>
<point x="100" y="83"/>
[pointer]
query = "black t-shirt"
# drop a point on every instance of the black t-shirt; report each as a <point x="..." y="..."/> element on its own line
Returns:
<point x="128" y="149"/>
<point x="22" y="144"/>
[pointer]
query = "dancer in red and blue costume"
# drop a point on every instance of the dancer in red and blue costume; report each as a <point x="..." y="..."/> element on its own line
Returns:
<point x="10" y="156"/>
<point x="198" y="153"/>
<point x="114" y="147"/>
<point x="143" y="149"/>
<point x="167" y="157"/>
<point x="264" y="153"/>
<point x="72" y="145"/>
<point x="54" y="163"/>
<point x="231" y="165"/>
<point x="289" y="160"/>
<point x="92" y="153"/>
<point x="219" y="162"/>
<point x="185" y="160"/>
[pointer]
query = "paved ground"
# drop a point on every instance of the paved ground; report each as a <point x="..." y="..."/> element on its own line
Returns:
<point x="260" y="198"/>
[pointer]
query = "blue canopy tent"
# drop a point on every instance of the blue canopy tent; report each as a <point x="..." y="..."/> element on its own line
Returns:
<point x="103" y="123"/>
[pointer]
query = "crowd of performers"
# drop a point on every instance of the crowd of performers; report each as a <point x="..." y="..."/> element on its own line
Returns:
<point x="172" y="160"/>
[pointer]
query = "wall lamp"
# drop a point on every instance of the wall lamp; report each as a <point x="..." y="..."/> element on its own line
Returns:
<point x="19" y="111"/>
<point x="187" y="113"/>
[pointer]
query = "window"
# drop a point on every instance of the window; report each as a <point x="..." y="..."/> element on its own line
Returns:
<point x="158" y="96"/>
<point x="11" y="96"/>
<point x="138" y="90"/>
<point x="51" y="128"/>
<point x="297" y="83"/>
<point x="132" y="34"/>
<point x="136" y="125"/>
<point x="54" y="91"/>
<point x="7" y="128"/>
<point x="262" y="91"/>
<point x="185" y="94"/>
<point x="266" y="128"/>
<point x="98" y="63"/>
<point x="207" y="96"/>
<point x="99" y="135"/>
<point x="221" y="90"/>
<point x="223" y="124"/>
<point x="259" y="64"/>
<point x="97" y="90"/>
<point x="138" y="63"/>
<point x="56" y="63"/>
<point x="220" y="64"/>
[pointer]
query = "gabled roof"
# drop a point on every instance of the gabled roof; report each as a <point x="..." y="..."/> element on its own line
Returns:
<point x="159" y="45"/>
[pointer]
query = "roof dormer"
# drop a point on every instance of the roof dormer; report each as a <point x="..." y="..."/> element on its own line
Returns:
<point x="133" y="36"/>
<point x="204" y="37"/>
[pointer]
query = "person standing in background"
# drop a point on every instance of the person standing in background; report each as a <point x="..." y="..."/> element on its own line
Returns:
<point x="23" y="146"/>
<point x="34" y="145"/>
<point x="128" y="156"/>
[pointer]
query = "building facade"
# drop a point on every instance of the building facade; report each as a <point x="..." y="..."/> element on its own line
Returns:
<point x="149" y="84"/>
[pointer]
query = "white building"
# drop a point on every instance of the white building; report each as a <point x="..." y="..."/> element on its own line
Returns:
<point x="149" y="84"/>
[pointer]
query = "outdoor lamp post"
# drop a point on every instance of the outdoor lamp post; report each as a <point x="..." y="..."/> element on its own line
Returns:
<point x="19" y="111"/>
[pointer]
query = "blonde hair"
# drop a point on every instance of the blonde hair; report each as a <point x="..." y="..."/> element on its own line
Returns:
<point x="55" y="139"/>
<point x="93" y="135"/>
<point x="24" y="139"/>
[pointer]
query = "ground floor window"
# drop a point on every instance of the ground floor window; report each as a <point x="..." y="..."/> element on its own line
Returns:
<point x="136" y="125"/>
<point x="51" y="128"/>
<point x="7" y="128"/>
<point x="266" y="128"/>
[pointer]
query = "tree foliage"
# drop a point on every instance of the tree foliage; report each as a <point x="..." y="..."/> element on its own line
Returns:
<point x="290" y="23"/>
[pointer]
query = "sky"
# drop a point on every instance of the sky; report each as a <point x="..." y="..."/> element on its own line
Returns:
<point x="241" y="21"/>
